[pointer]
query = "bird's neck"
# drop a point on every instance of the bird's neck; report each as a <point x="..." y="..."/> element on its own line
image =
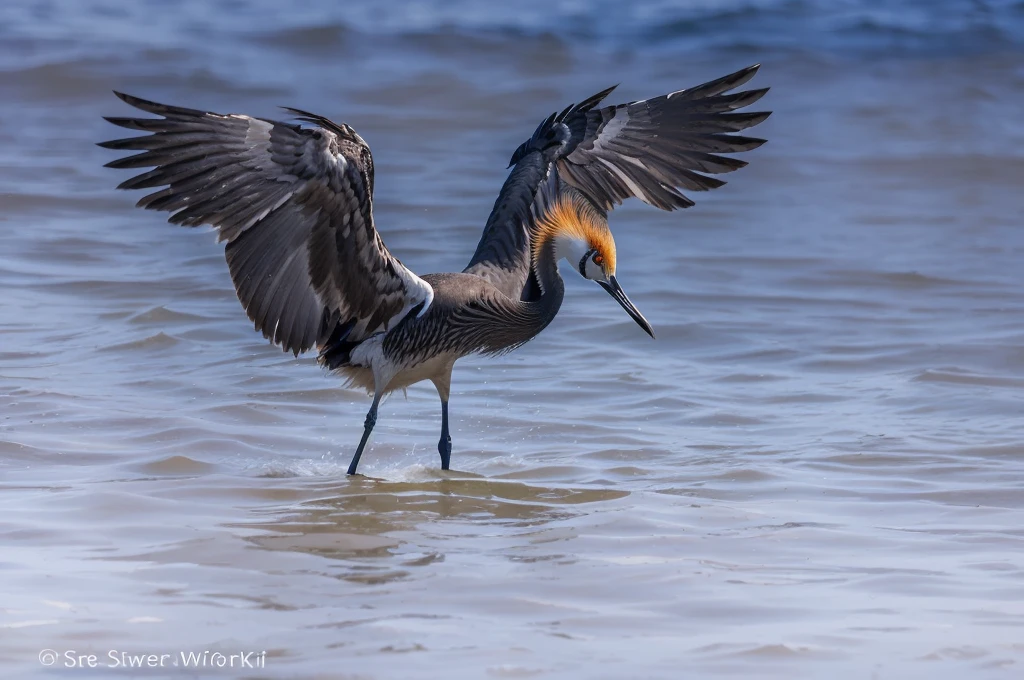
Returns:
<point x="507" y="323"/>
<point x="545" y="269"/>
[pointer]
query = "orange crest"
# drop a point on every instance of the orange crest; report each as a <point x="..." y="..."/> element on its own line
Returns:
<point x="573" y="216"/>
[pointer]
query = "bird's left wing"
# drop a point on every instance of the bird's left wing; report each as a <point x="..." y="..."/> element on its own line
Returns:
<point x="650" y="149"/>
<point x="294" y="205"/>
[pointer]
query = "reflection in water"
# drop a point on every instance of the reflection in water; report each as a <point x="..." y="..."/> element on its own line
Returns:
<point x="361" y="520"/>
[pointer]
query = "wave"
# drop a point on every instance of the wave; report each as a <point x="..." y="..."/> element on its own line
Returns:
<point x="913" y="27"/>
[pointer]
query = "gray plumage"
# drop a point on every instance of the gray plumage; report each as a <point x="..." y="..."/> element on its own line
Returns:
<point x="294" y="205"/>
<point x="295" y="208"/>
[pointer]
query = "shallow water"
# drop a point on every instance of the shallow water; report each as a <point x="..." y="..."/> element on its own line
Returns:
<point x="815" y="469"/>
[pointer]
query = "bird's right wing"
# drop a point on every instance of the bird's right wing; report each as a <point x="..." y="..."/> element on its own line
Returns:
<point x="294" y="205"/>
<point x="649" y="149"/>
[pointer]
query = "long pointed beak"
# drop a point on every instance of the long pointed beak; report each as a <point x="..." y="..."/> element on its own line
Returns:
<point x="615" y="290"/>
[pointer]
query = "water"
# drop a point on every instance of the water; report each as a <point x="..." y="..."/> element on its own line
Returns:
<point x="815" y="469"/>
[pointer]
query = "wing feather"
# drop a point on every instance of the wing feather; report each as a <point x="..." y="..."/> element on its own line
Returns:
<point x="293" y="204"/>
<point x="681" y="133"/>
<point x="650" y="149"/>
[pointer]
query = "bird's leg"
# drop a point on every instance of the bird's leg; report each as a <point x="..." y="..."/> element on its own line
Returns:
<point x="371" y="420"/>
<point x="443" y="382"/>
<point x="444" y="447"/>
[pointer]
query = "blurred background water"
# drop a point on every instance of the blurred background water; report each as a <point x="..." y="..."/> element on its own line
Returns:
<point x="815" y="469"/>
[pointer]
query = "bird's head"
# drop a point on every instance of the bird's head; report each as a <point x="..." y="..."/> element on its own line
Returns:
<point x="580" y="234"/>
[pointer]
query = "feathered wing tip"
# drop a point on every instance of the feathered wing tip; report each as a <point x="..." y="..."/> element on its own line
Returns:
<point x="588" y="103"/>
<point x="655" y="148"/>
<point x="164" y="110"/>
<point x="719" y="85"/>
<point x="174" y="148"/>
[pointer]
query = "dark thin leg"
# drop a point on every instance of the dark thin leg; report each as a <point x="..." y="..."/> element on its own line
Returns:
<point x="444" y="447"/>
<point x="371" y="420"/>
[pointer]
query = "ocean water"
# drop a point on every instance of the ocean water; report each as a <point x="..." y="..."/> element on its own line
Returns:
<point x="816" y="469"/>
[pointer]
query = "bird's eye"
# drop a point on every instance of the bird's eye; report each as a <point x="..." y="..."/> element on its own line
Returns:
<point x="598" y="259"/>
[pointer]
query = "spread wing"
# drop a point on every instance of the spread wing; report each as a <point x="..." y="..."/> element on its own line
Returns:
<point x="651" y="149"/>
<point x="294" y="206"/>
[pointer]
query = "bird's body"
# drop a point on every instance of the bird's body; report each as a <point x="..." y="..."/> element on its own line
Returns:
<point x="469" y="315"/>
<point x="294" y="206"/>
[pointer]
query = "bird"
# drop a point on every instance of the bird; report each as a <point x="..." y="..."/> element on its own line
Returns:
<point x="293" y="203"/>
